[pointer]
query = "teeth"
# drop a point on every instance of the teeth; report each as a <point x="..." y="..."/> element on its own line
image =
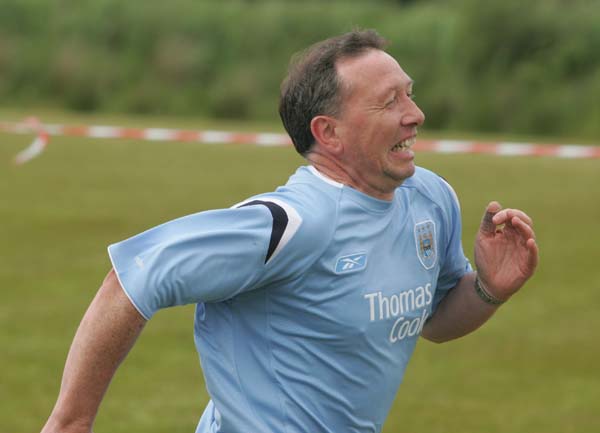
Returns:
<point x="406" y="144"/>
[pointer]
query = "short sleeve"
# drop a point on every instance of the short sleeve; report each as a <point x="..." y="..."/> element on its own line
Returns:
<point x="205" y="257"/>
<point x="455" y="265"/>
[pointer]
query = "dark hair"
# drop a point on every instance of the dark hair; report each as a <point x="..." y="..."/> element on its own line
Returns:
<point x="312" y="86"/>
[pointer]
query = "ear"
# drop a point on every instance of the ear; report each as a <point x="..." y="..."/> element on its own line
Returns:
<point x="323" y="128"/>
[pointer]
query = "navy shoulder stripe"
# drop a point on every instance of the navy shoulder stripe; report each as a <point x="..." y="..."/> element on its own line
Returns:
<point x="280" y="223"/>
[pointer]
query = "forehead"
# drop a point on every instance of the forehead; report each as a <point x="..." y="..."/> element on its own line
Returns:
<point x="375" y="72"/>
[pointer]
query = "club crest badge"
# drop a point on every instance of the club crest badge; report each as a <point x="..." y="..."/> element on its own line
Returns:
<point x="425" y="240"/>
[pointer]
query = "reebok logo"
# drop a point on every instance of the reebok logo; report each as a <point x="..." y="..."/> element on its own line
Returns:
<point x="351" y="263"/>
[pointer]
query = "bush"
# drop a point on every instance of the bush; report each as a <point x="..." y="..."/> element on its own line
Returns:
<point x="510" y="66"/>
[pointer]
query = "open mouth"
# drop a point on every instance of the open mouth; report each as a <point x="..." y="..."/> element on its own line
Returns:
<point x="404" y="144"/>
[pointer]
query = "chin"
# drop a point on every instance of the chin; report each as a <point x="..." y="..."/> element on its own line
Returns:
<point x="405" y="172"/>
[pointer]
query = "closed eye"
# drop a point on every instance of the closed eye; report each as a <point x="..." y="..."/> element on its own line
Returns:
<point x="392" y="101"/>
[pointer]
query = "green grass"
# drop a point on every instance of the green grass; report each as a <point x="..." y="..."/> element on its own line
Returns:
<point x="533" y="368"/>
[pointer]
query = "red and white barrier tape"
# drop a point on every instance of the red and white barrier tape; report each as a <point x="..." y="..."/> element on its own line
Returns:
<point x="31" y="124"/>
<point x="272" y="139"/>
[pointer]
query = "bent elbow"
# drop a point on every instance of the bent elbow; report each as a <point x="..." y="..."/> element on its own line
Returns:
<point x="435" y="339"/>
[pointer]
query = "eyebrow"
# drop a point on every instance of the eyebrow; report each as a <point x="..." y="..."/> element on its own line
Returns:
<point x="390" y="89"/>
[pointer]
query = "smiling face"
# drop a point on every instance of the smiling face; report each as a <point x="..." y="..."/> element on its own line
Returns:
<point x="377" y="123"/>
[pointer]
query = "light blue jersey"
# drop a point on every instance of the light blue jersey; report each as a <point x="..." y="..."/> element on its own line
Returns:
<point x="309" y="299"/>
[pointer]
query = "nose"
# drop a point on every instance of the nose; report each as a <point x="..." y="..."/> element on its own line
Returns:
<point x="413" y="116"/>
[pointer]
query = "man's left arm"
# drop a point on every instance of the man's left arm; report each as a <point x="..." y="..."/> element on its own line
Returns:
<point x="506" y="256"/>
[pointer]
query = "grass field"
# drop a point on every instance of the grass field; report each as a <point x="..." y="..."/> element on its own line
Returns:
<point x="533" y="368"/>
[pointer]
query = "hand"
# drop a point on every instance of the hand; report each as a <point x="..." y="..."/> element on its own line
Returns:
<point x="506" y="253"/>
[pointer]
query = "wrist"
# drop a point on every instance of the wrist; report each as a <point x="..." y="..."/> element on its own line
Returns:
<point x="64" y="423"/>
<point x="485" y="295"/>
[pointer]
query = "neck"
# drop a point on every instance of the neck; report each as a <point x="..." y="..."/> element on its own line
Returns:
<point x="330" y="168"/>
<point x="334" y="170"/>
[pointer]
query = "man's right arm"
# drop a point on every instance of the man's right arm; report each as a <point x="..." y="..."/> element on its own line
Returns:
<point x="106" y="333"/>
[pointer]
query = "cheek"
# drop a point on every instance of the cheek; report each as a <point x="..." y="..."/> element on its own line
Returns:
<point x="367" y="139"/>
<point x="369" y="143"/>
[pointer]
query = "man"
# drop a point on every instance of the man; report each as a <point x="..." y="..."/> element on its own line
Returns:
<point x="310" y="299"/>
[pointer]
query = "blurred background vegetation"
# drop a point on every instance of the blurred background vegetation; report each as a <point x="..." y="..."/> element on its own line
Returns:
<point x="507" y="66"/>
